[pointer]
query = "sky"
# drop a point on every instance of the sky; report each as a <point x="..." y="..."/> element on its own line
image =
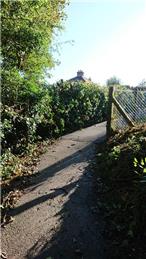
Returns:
<point x="104" y="38"/>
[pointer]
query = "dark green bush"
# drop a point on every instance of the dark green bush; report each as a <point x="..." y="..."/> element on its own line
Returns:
<point x="49" y="112"/>
<point x="78" y="104"/>
<point x="122" y="169"/>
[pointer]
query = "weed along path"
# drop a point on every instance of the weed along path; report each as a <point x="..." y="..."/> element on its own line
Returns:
<point x="57" y="217"/>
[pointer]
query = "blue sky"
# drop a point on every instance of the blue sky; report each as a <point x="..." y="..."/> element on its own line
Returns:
<point x="109" y="38"/>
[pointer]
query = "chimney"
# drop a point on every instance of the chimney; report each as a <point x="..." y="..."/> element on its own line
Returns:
<point x="80" y="73"/>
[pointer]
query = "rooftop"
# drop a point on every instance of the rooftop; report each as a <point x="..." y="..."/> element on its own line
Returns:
<point x="80" y="77"/>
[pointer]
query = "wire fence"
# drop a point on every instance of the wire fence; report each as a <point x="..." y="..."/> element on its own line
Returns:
<point x="133" y="102"/>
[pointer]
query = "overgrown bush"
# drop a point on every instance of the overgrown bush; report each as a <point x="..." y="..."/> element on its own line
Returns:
<point x="54" y="110"/>
<point x="122" y="167"/>
<point x="30" y="109"/>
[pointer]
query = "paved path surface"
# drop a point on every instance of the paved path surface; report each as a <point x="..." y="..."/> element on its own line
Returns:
<point x="56" y="217"/>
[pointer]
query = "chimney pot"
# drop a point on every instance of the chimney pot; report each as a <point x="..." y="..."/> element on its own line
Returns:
<point x="80" y="73"/>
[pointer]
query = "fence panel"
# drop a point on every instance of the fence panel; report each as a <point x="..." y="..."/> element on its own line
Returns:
<point x="128" y="107"/>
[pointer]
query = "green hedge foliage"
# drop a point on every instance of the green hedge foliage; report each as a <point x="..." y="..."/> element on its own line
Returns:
<point x="49" y="112"/>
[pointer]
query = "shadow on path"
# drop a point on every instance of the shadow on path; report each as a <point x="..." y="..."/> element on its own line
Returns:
<point x="80" y="231"/>
<point x="58" y="191"/>
<point x="37" y="180"/>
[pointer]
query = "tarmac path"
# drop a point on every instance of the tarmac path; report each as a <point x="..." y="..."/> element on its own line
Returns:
<point x="57" y="217"/>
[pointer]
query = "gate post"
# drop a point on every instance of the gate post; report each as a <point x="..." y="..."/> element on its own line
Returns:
<point x="135" y="102"/>
<point x="110" y="111"/>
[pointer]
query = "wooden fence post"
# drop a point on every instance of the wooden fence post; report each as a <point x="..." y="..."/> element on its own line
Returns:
<point x="110" y="111"/>
<point x="135" y="102"/>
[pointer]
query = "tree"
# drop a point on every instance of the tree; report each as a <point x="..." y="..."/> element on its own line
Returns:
<point x="142" y="83"/>
<point x="27" y="31"/>
<point x="28" y="28"/>
<point x="113" y="81"/>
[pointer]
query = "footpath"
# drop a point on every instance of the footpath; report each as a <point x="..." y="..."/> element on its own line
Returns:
<point x="57" y="218"/>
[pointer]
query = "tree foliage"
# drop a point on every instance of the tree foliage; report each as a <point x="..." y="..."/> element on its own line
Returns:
<point x="27" y="33"/>
<point x="31" y="109"/>
<point x="113" y="81"/>
<point x="28" y="28"/>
